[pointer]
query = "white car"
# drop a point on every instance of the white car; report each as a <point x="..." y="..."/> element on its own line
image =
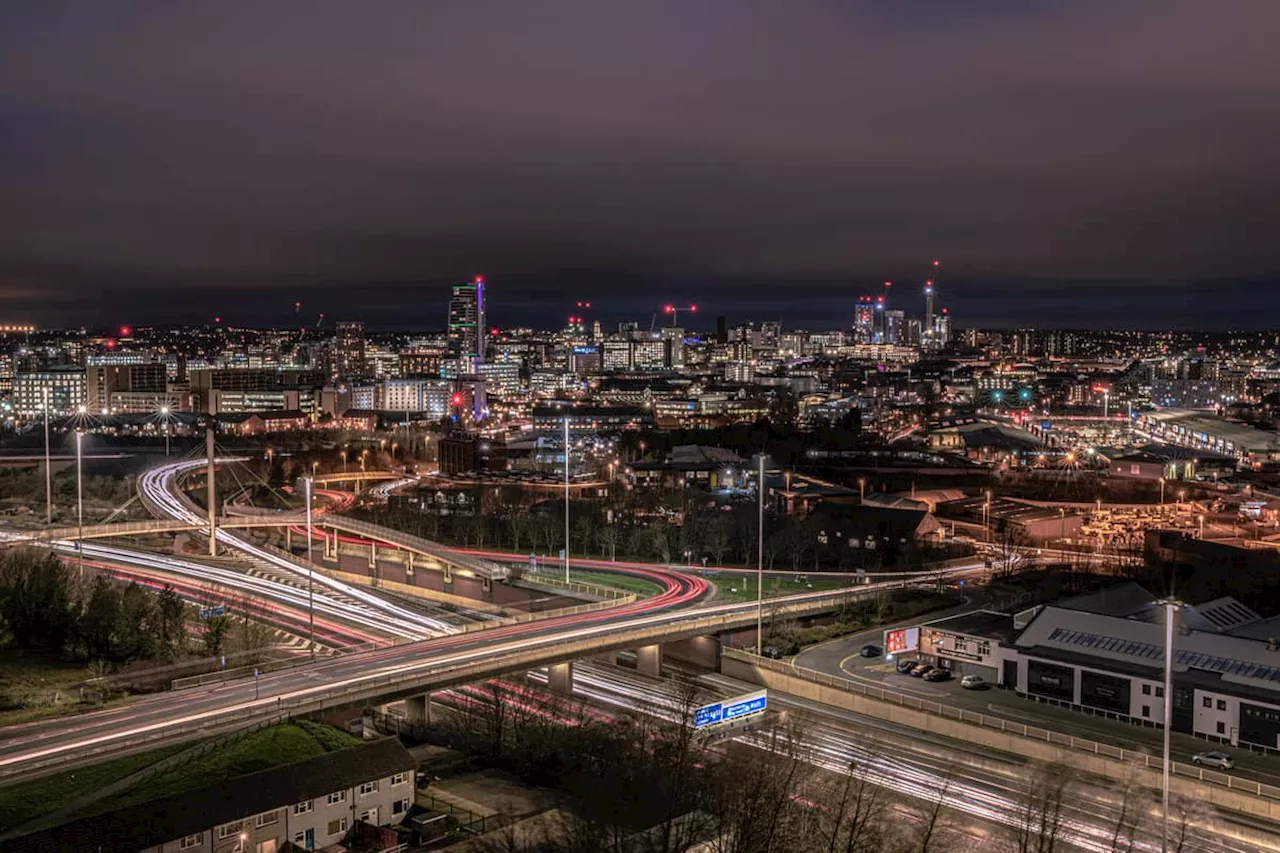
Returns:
<point x="973" y="682"/>
<point x="1220" y="760"/>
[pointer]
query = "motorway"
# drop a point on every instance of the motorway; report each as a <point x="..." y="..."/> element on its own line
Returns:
<point x="440" y="661"/>
<point x="972" y="780"/>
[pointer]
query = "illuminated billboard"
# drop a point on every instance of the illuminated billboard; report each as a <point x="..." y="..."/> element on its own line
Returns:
<point x="901" y="640"/>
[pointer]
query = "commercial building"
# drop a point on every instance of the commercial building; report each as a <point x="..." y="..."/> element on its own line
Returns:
<point x="126" y="388"/>
<point x="1203" y="431"/>
<point x="62" y="386"/>
<point x="1103" y="654"/>
<point x="313" y="804"/>
<point x="349" y="349"/>
<point x="466" y="327"/>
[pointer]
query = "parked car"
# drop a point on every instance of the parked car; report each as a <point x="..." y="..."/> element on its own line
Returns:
<point x="906" y="665"/>
<point x="973" y="682"/>
<point x="1220" y="760"/>
<point x="870" y="651"/>
<point x="938" y="674"/>
<point x="771" y="652"/>
<point x="919" y="670"/>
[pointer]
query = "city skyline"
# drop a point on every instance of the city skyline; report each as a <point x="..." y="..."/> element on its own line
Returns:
<point x="1050" y="156"/>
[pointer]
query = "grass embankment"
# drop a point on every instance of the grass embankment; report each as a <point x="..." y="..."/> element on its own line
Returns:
<point x="735" y="588"/>
<point x="26" y="801"/>
<point x="35" y="686"/>
<point x="287" y="743"/>
<point x="626" y="583"/>
<point x="789" y="636"/>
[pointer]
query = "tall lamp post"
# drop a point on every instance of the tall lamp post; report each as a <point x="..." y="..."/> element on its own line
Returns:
<point x="80" y="502"/>
<point x="164" y="414"/>
<point x="311" y="601"/>
<point x="566" y="498"/>
<point x="1171" y="606"/>
<point x="760" y="563"/>
<point x="48" y="471"/>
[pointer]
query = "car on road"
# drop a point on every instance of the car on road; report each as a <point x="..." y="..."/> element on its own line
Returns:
<point x="973" y="682"/>
<point x="1220" y="760"/>
<point x="906" y="665"/>
<point x="919" y="670"/>
<point x="870" y="651"/>
<point x="938" y="674"/>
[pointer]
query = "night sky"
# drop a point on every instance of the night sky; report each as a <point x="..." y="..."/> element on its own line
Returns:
<point x="1071" y="163"/>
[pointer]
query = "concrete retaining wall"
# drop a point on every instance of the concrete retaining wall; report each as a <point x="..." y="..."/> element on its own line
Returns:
<point x="1015" y="744"/>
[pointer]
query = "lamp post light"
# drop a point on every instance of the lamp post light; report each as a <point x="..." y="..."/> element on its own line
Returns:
<point x="760" y="563"/>
<point x="80" y="501"/>
<point x="1202" y="525"/>
<point x="48" y="475"/>
<point x="566" y="498"/>
<point x="1162" y="491"/>
<point x="1171" y="606"/>
<point x="311" y="601"/>
<point x="862" y="489"/>
<point x="164" y="421"/>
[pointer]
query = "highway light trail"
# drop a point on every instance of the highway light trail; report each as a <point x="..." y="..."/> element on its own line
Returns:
<point x="904" y="764"/>
<point x="160" y="488"/>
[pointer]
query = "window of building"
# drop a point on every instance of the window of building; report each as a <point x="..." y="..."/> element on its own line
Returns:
<point x="1159" y="692"/>
<point x="399" y="778"/>
<point x="337" y="797"/>
<point x="338" y="826"/>
<point x="265" y="819"/>
<point x="191" y="842"/>
<point x="1222" y="728"/>
<point x="228" y="830"/>
<point x="368" y="788"/>
<point x="300" y="838"/>
<point x="1208" y="703"/>
<point x="304" y="807"/>
<point x="1222" y="704"/>
<point x="1146" y="690"/>
<point x="1146" y="710"/>
<point x="400" y="807"/>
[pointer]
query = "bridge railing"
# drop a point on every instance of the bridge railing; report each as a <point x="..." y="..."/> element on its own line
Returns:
<point x="1137" y="757"/>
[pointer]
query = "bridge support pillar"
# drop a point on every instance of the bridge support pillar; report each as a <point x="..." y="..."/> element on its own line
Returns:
<point x="330" y="545"/>
<point x="417" y="709"/>
<point x="560" y="677"/>
<point x="408" y="565"/>
<point x="288" y="538"/>
<point x="373" y="554"/>
<point x="649" y="660"/>
<point x="700" y="651"/>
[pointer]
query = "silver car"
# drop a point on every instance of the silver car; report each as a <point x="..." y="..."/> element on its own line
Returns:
<point x="1220" y="760"/>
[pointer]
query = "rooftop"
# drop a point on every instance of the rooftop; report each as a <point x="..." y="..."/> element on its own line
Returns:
<point x="979" y="623"/>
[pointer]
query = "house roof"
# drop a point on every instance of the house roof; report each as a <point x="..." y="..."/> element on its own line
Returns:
<point x="158" y="821"/>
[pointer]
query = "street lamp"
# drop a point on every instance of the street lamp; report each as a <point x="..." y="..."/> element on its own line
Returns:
<point x="80" y="501"/>
<point x="1202" y="526"/>
<point x="1162" y="491"/>
<point x="48" y="475"/>
<point x="760" y="563"/>
<point x="311" y="601"/>
<point x="1171" y="606"/>
<point x="164" y="415"/>
<point x="862" y="489"/>
<point x="566" y="497"/>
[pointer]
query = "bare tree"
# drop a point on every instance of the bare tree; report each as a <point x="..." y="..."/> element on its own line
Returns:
<point x="1130" y="813"/>
<point x="1038" y="823"/>
<point x="931" y="835"/>
<point x="857" y="817"/>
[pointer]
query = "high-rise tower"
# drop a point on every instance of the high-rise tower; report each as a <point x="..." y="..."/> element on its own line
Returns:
<point x="930" y="321"/>
<point x="466" y="330"/>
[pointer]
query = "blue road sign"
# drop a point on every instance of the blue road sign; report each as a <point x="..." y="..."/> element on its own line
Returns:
<point x="729" y="710"/>
<point x="208" y="612"/>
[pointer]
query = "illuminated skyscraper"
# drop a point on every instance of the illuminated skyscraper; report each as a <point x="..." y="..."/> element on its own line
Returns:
<point x="349" y="351"/>
<point x="864" y="320"/>
<point x="466" y="330"/>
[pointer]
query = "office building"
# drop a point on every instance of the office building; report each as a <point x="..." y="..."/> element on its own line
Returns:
<point x="894" y="323"/>
<point x="864" y="320"/>
<point x="62" y="385"/>
<point x="349" y="354"/>
<point x="466" y="326"/>
<point x="126" y="388"/>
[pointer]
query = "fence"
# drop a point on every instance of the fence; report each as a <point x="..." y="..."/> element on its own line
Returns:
<point x="1136" y="757"/>
<point x="466" y="821"/>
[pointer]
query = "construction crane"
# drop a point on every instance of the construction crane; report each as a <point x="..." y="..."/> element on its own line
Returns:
<point x="674" y="311"/>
